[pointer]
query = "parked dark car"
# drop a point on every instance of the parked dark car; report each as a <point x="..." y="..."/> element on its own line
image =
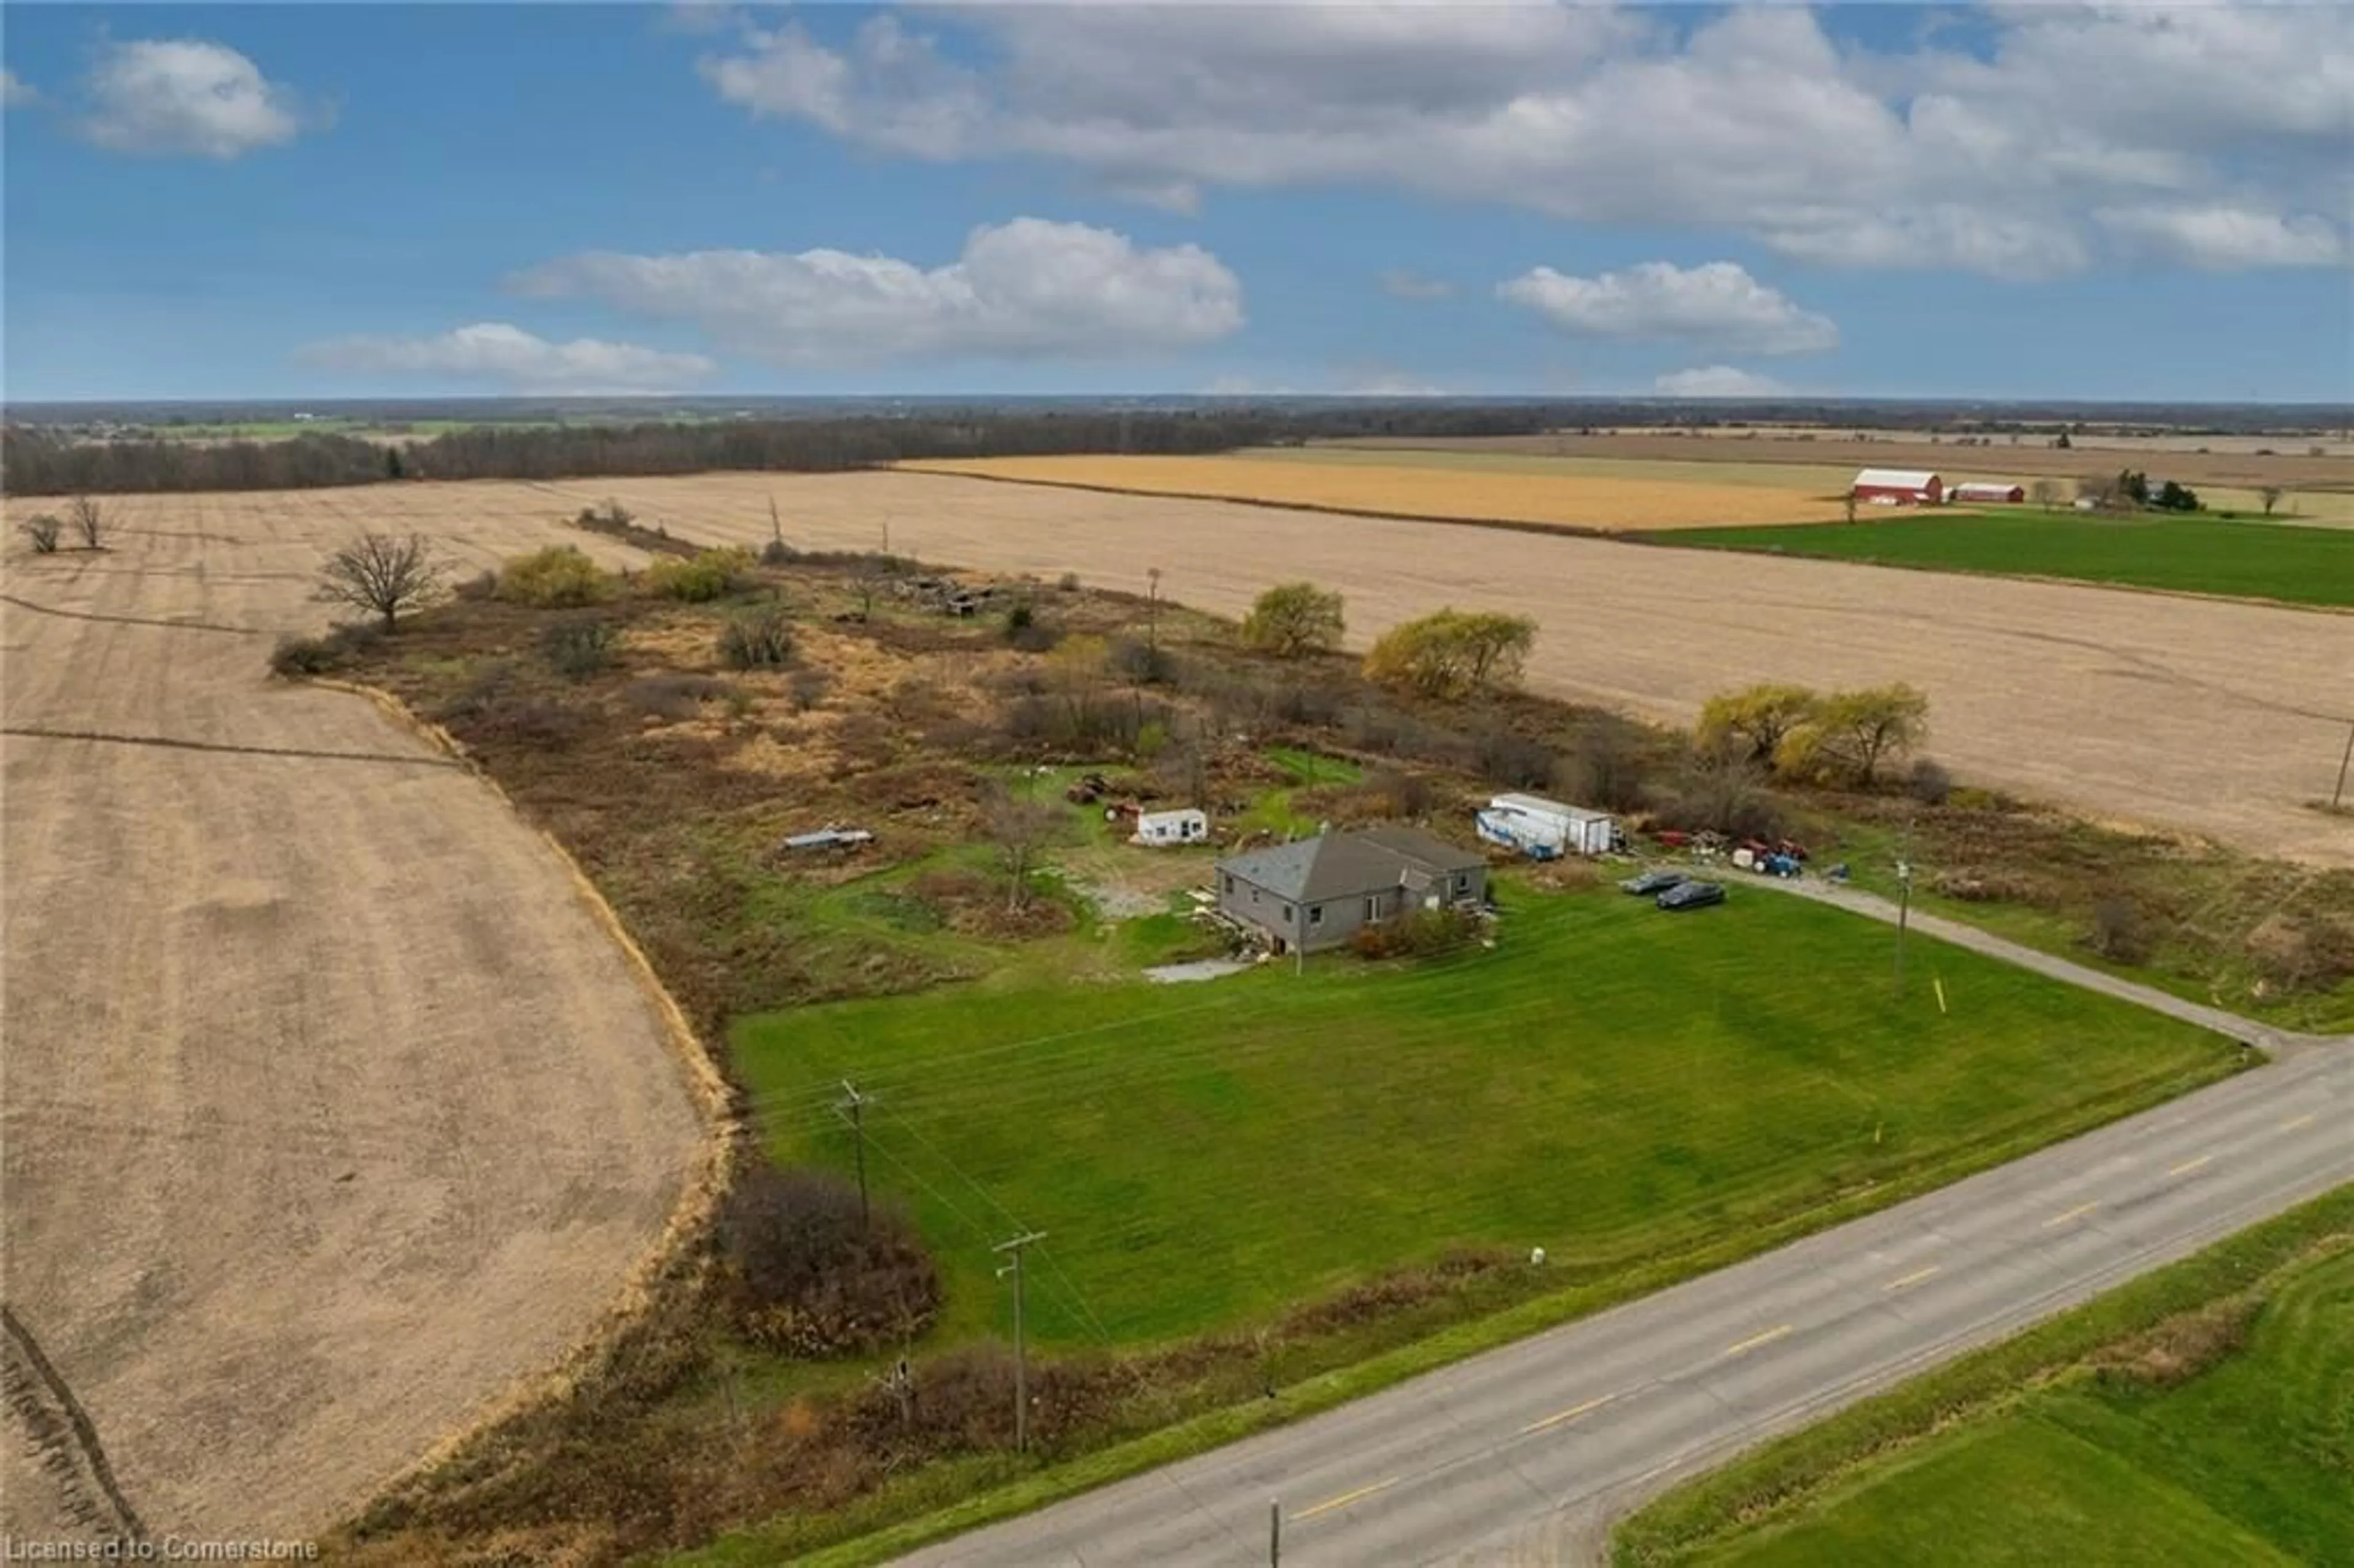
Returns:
<point x="1692" y="895"/>
<point x="1653" y="881"/>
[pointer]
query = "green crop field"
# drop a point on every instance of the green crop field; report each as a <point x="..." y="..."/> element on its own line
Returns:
<point x="2251" y="1460"/>
<point x="2294" y="564"/>
<point x="1616" y="1085"/>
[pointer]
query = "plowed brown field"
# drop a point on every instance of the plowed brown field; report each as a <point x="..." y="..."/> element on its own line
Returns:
<point x="1571" y="501"/>
<point x="328" y="1110"/>
<point x="2185" y="714"/>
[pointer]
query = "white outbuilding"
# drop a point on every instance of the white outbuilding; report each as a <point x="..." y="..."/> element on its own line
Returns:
<point x="1159" y="830"/>
<point x="1542" y="828"/>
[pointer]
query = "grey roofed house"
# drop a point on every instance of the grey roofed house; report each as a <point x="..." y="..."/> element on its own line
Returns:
<point x="1313" y="893"/>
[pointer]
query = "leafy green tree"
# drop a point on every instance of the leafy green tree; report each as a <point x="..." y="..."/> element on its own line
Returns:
<point x="1452" y="653"/>
<point x="1751" y="723"/>
<point x="1851" y="734"/>
<point x="1294" y="618"/>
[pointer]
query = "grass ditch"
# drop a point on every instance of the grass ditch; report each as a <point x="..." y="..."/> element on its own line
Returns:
<point x="968" y="1493"/>
<point x="2121" y="1354"/>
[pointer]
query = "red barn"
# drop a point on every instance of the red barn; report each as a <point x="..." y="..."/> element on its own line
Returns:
<point x="1898" y="486"/>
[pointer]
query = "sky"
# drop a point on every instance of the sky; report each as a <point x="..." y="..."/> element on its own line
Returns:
<point x="2039" y="200"/>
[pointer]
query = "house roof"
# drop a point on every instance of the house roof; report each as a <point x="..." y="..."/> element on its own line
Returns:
<point x="1897" y="478"/>
<point x="1341" y="866"/>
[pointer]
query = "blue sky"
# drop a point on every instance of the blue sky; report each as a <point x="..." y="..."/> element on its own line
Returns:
<point x="326" y="200"/>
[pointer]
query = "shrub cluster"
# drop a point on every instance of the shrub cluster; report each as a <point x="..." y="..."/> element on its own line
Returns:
<point x="708" y="574"/>
<point x="674" y="697"/>
<point x="756" y="640"/>
<point x="579" y="649"/>
<point x="560" y="576"/>
<point x="295" y="657"/>
<point x="1416" y="933"/>
<point x="813" y="1276"/>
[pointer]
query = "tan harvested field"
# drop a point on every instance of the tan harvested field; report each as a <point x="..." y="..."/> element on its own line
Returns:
<point x="2243" y="469"/>
<point x="2317" y="508"/>
<point x="1621" y="502"/>
<point x="330" y="1110"/>
<point x="2203" y="715"/>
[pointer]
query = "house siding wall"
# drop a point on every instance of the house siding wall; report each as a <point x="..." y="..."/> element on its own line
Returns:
<point x="1243" y="900"/>
<point x="1254" y="905"/>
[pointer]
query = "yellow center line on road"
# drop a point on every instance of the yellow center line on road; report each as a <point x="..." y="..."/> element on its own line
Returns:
<point x="1768" y="1338"/>
<point x="2187" y="1166"/>
<point x="2296" y="1121"/>
<point x="1915" y="1278"/>
<point x="2078" y="1212"/>
<point x="1344" y="1500"/>
<point x="1572" y="1413"/>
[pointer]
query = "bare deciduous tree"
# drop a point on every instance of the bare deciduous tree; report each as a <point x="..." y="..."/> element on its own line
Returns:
<point x="383" y="575"/>
<point x="2270" y="495"/>
<point x="89" y="520"/>
<point x="43" y="529"/>
<point x="1021" y="830"/>
<point x="2044" y="492"/>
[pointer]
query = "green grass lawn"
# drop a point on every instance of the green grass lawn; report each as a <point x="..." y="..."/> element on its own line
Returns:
<point x="1614" y="1084"/>
<point x="2205" y="555"/>
<point x="2251" y="1460"/>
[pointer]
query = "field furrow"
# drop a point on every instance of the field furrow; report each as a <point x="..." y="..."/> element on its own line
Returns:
<point x="329" y="1111"/>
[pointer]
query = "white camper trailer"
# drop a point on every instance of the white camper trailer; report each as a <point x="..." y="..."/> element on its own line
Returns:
<point x="1545" y="828"/>
<point x="1160" y="828"/>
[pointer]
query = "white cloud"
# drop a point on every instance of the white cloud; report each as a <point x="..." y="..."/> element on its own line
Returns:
<point x="1718" y="303"/>
<point x="15" y="92"/>
<point x="1717" y="381"/>
<point x="2224" y="238"/>
<point x="1948" y="152"/>
<point x="1404" y="283"/>
<point x="186" y="97"/>
<point x="700" y="19"/>
<point x="506" y="356"/>
<point x="1024" y="290"/>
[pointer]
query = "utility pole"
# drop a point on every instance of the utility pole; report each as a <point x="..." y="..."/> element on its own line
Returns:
<point x="1021" y="1354"/>
<point x="1274" y="1533"/>
<point x="1904" y="913"/>
<point x="854" y="1106"/>
<point x="2338" y="794"/>
<point x="1153" y="611"/>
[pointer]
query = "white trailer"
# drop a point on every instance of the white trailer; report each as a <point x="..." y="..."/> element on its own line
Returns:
<point x="1160" y="828"/>
<point x="1545" y="828"/>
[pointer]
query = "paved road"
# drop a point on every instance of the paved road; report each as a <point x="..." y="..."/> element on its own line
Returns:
<point x="1526" y="1454"/>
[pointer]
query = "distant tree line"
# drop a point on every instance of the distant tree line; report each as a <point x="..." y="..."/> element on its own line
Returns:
<point x="37" y="462"/>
